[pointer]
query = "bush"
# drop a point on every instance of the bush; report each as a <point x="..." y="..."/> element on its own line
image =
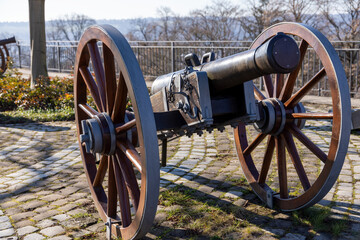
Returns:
<point x="48" y="94"/>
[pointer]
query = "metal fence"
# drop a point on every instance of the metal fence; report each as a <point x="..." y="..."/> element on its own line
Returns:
<point x="160" y="57"/>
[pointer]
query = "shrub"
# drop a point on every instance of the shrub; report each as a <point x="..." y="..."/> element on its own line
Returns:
<point x="48" y="94"/>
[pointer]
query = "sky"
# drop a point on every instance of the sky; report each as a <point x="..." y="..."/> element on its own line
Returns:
<point x="17" y="10"/>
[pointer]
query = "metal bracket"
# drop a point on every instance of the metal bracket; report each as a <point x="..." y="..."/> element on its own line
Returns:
<point x="108" y="228"/>
<point x="108" y="224"/>
<point x="269" y="198"/>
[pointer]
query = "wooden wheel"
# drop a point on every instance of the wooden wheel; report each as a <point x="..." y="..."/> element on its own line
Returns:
<point x="2" y="61"/>
<point x="286" y="161"/>
<point x="118" y="145"/>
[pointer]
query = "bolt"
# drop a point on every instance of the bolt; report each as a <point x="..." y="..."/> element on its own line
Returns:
<point x="186" y="108"/>
<point x="179" y="105"/>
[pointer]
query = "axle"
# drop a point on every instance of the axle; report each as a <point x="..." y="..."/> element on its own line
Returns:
<point x="279" y="54"/>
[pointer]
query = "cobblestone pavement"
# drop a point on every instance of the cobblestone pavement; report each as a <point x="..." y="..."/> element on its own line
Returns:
<point x="44" y="194"/>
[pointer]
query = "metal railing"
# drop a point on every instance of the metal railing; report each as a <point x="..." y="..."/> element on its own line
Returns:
<point x="160" y="57"/>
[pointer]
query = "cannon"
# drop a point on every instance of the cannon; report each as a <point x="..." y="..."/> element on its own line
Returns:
<point x="119" y="126"/>
<point x="4" y="53"/>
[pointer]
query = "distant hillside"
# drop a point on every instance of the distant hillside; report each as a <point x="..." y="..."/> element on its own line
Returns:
<point x="21" y="29"/>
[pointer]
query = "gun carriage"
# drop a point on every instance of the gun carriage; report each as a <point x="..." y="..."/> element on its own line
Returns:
<point x="119" y="131"/>
<point x="4" y="53"/>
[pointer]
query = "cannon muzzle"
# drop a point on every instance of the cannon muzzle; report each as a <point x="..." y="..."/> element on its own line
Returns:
<point x="279" y="54"/>
<point x="7" y="41"/>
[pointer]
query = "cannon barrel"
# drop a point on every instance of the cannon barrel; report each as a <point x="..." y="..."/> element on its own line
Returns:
<point x="279" y="54"/>
<point x="7" y="40"/>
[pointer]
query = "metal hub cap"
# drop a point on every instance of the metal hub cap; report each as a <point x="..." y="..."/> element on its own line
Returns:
<point x="99" y="135"/>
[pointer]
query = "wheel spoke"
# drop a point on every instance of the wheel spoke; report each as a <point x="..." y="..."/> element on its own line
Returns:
<point x="88" y="110"/>
<point x="279" y="83"/>
<point x="296" y="98"/>
<point x="110" y="77"/>
<point x="291" y="148"/>
<point x="267" y="160"/>
<point x="311" y="115"/>
<point x="98" y="70"/>
<point x="120" y="101"/>
<point x="269" y="88"/>
<point x="101" y="171"/>
<point x="91" y="85"/>
<point x="281" y="162"/>
<point x="130" y="152"/>
<point x="258" y="94"/>
<point x="291" y="79"/>
<point x="112" y="192"/>
<point x="130" y="178"/>
<point x="254" y="144"/>
<point x="294" y="130"/>
<point x="123" y="195"/>
<point x="241" y="143"/>
<point x="125" y="127"/>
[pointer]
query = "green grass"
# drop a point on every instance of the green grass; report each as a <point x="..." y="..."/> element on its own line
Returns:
<point x="319" y="219"/>
<point x="198" y="216"/>
<point x="26" y="116"/>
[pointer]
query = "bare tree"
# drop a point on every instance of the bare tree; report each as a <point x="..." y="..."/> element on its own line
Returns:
<point x="143" y="30"/>
<point x="218" y="21"/>
<point x="69" y="27"/>
<point x="262" y="14"/>
<point x="342" y="18"/>
<point x="302" y="11"/>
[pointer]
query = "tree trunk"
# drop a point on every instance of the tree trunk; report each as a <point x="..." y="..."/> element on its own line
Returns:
<point x="37" y="40"/>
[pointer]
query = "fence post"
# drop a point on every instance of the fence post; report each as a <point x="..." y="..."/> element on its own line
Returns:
<point x="172" y="56"/>
<point x="58" y="50"/>
<point x="19" y="48"/>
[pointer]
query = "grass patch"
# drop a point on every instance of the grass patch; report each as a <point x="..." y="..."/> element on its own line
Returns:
<point x="27" y="116"/>
<point x="319" y="219"/>
<point x="199" y="216"/>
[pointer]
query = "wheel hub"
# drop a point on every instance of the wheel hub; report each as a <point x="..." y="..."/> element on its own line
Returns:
<point x="98" y="135"/>
<point x="299" y="108"/>
<point x="273" y="117"/>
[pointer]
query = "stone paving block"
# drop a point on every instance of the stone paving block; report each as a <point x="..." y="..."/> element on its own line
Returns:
<point x="44" y="215"/>
<point x="5" y="225"/>
<point x="233" y="194"/>
<point x="19" y="216"/>
<point x="23" y="223"/>
<point x="25" y="197"/>
<point x="6" y="233"/>
<point x="80" y="234"/>
<point x="60" y="202"/>
<point x="12" y="211"/>
<point x="76" y="196"/>
<point x="52" y="197"/>
<point x="8" y="204"/>
<point x="68" y="190"/>
<point x="52" y="231"/>
<point x="68" y="207"/>
<point x="26" y="230"/>
<point x="63" y="237"/>
<point x="61" y="217"/>
<point x="44" y="208"/>
<point x="34" y="236"/>
<point x="32" y="205"/>
<point x="45" y="223"/>
<point x="76" y="212"/>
